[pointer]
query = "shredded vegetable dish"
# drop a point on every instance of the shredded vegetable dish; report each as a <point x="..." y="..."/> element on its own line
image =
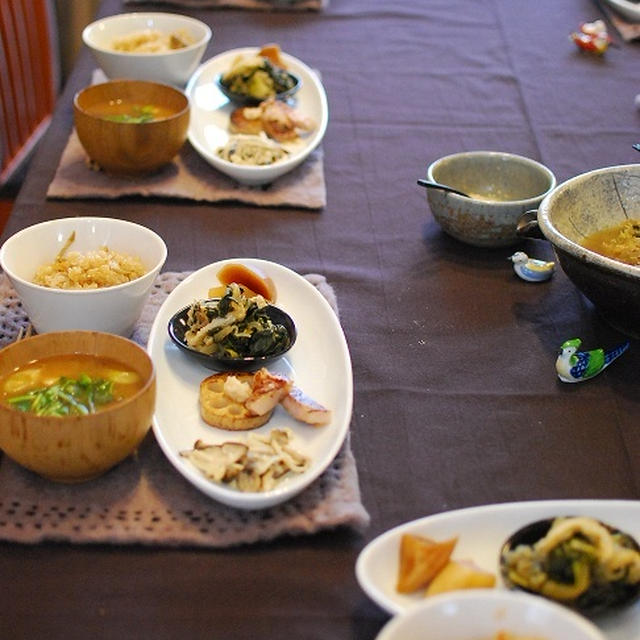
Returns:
<point x="257" y="76"/>
<point x="580" y="560"/>
<point x="234" y="326"/>
<point x="251" y="150"/>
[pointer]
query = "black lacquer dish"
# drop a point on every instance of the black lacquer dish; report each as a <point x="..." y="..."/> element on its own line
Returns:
<point x="243" y="99"/>
<point x="589" y="568"/>
<point x="178" y="326"/>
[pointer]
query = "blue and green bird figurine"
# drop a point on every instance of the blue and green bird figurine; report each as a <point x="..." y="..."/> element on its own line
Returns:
<point x="575" y="366"/>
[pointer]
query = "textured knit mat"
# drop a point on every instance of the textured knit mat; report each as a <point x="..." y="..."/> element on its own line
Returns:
<point x="190" y="177"/>
<point x="144" y="500"/>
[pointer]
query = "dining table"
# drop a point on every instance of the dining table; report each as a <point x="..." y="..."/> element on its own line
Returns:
<point x="456" y="402"/>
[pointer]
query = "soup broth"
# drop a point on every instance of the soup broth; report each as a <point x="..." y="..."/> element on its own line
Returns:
<point x="121" y="110"/>
<point x="621" y="242"/>
<point x="73" y="384"/>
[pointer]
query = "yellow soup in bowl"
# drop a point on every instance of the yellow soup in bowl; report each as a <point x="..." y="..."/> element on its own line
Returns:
<point x="70" y="384"/>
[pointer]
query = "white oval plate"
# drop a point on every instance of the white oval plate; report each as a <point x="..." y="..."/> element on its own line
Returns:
<point x="318" y="362"/>
<point x="481" y="532"/>
<point x="210" y="111"/>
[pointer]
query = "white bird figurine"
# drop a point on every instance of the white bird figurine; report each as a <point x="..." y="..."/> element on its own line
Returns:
<point x="530" y="269"/>
<point x="575" y="366"/>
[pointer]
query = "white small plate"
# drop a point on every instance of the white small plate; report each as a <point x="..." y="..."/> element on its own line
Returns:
<point x="630" y="10"/>
<point x="481" y="532"/>
<point x="210" y="111"/>
<point x="319" y="364"/>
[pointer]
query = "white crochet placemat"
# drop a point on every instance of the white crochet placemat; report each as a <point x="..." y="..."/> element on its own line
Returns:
<point x="144" y="500"/>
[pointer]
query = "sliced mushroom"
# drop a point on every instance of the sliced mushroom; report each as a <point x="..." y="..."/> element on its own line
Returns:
<point x="248" y="481"/>
<point x="214" y="461"/>
<point x="255" y="466"/>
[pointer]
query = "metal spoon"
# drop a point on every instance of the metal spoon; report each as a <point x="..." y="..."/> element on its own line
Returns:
<point x="443" y="187"/>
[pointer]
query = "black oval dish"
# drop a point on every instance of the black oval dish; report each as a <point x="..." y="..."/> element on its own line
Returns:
<point x="595" y="600"/>
<point x="245" y="100"/>
<point x="177" y="327"/>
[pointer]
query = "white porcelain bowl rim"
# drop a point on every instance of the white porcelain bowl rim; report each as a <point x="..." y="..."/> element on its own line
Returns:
<point x="88" y="31"/>
<point x="488" y="600"/>
<point x="498" y="154"/>
<point x="561" y="241"/>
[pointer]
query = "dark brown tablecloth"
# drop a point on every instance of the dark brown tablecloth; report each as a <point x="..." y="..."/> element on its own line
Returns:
<point x="456" y="398"/>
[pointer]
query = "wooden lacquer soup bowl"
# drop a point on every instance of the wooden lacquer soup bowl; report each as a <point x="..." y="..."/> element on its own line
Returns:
<point x="75" y="448"/>
<point x="132" y="145"/>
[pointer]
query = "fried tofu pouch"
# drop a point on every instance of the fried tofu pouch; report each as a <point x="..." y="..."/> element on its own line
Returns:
<point x="420" y="561"/>
<point x="460" y="574"/>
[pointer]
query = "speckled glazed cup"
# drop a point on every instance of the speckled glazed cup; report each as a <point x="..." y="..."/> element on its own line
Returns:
<point x="502" y="187"/>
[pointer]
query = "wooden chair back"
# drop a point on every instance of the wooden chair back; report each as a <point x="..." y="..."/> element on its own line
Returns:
<point x="29" y="78"/>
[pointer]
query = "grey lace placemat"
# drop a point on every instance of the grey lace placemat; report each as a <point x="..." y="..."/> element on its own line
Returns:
<point x="144" y="500"/>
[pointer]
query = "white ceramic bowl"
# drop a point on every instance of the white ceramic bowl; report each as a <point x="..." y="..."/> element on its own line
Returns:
<point x="111" y="309"/>
<point x="478" y="614"/>
<point x="174" y="67"/>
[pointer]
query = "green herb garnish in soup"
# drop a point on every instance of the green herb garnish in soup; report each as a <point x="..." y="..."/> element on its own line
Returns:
<point x="125" y="111"/>
<point x="66" y="385"/>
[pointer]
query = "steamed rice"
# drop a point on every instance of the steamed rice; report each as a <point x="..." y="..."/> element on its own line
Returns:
<point x="89" y="270"/>
<point x="152" y="41"/>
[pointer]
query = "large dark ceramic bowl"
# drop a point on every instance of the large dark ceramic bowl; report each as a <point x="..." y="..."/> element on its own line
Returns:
<point x="177" y="328"/>
<point x="580" y="206"/>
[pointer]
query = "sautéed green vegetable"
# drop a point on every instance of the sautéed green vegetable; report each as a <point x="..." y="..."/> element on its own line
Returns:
<point x="68" y="396"/>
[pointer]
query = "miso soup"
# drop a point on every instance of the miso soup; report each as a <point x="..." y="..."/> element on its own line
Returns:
<point x="70" y="384"/>
<point x="122" y="110"/>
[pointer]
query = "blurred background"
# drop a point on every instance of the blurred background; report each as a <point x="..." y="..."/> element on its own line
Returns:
<point x="72" y="16"/>
<point x="39" y="42"/>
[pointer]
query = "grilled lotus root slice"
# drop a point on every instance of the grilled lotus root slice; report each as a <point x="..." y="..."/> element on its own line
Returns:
<point x="219" y="409"/>
<point x="241" y="401"/>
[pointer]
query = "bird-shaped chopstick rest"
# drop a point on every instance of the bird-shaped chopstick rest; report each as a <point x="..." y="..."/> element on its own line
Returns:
<point x="530" y="269"/>
<point x="575" y="366"/>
